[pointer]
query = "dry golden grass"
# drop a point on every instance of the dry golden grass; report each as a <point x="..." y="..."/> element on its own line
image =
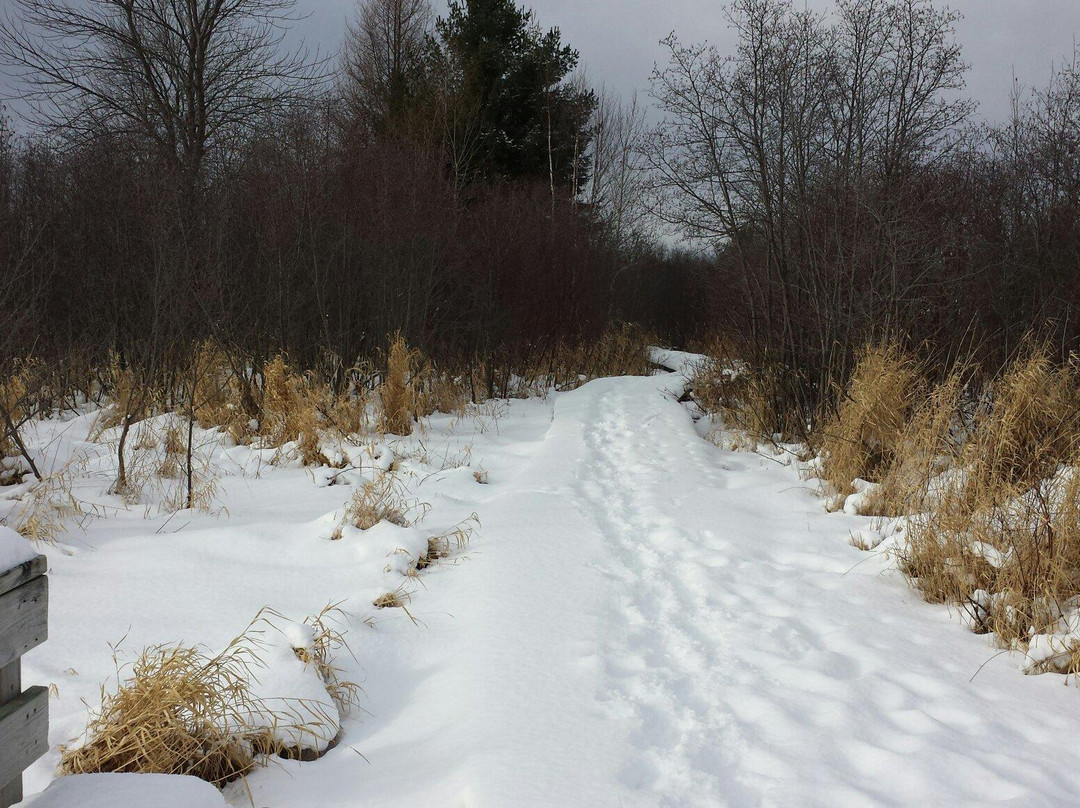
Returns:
<point x="391" y="600"/>
<point x="442" y="546"/>
<point x="1028" y="427"/>
<point x="436" y="390"/>
<point x="929" y="445"/>
<point x="128" y="396"/>
<point x="180" y="710"/>
<point x="350" y="412"/>
<point x="381" y="499"/>
<point x="864" y="436"/>
<point x="217" y="395"/>
<point x="329" y="640"/>
<point x="396" y="392"/>
<point x="998" y="532"/>
<point x="13" y="391"/>
<point x="743" y="397"/>
<point x="622" y="350"/>
<point x="174" y="451"/>
<point x="1024" y="553"/>
<point x="290" y="411"/>
<point x="45" y="512"/>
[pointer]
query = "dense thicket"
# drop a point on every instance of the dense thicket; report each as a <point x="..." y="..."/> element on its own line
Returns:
<point x="227" y="192"/>
<point x="454" y="181"/>
<point x="833" y="163"/>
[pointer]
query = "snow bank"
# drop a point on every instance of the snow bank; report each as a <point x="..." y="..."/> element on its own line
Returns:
<point x="676" y="361"/>
<point x="127" y="791"/>
<point x="14" y="549"/>
<point x="292" y="702"/>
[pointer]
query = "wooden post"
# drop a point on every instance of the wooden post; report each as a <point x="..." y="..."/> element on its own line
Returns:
<point x="24" y="715"/>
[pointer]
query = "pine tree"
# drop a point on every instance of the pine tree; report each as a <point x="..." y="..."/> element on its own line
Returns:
<point x="533" y="122"/>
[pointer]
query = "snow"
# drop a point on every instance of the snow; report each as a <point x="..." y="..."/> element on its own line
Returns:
<point x="291" y="699"/>
<point x="676" y="361"/>
<point x="644" y="619"/>
<point x="14" y="549"/>
<point x="127" y="791"/>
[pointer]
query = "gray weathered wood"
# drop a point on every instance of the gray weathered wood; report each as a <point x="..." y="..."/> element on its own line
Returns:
<point x="10" y="688"/>
<point x="24" y="716"/>
<point x="10" y="681"/>
<point x="24" y="619"/>
<point x="17" y="576"/>
<point x="24" y="732"/>
<point x="12" y="793"/>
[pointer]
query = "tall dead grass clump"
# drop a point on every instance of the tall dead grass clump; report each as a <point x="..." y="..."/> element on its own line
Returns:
<point x="290" y="411"/>
<point x="396" y="391"/>
<point x="750" y="400"/>
<point x="929" y="445"/>
<point x="438" y="390"/>
<point x="866" y="433"/>
<point x="1001" y="534"/>
<point x="622" y="349"/>
<point x="457" y="538"/>
<point x="13" y="391"/>
<point x="179" y="712"/>
<point x="218" y="394"/>
<point x="328" y="639"/>
<point x="17" y="389"/>
<point x="1027" y="427"/>
<point x="45" y="512"/>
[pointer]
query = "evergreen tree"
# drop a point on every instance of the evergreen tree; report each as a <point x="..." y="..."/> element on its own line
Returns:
<point x="532" y="122"/>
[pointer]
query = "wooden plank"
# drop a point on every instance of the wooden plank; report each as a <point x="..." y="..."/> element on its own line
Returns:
<point x="24" y="732"/>
<point x="24" y="619"/>
<point x="10" y="682"/>
<point x="17" y="576"/>
<point x="10" y="688"/>
<point x="12" y="793"/>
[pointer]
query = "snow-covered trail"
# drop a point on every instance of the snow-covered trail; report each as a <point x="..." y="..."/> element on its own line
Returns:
<point x="646" y="620"/>
<point x="652" y="621"/>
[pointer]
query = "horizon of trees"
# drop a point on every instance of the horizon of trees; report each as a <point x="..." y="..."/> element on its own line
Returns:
<point x="455" y="179"/>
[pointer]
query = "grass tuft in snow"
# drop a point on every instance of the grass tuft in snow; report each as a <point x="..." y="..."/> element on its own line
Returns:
<point x="457" y="538"/>
<point x="381" y="499"/>
<point x="396" y="392"/>
<point x="864" y="437"/>
<point x="181" y="710"/>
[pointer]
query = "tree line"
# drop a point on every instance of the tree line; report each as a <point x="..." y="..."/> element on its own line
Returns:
<point x="188" y="177"/>
<point x="850" y="195"/>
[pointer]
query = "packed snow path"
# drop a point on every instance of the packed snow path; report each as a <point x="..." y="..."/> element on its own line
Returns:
<point x="648" y="620"/>
<point x="654" y="621"/>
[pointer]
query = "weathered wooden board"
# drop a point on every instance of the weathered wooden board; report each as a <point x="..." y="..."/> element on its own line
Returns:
<point x="24" y="732"/>
<point x="24" y="619"/>
<point x="17" y="576"/>
<point x="10" y="681"/>
<point x="10" y="688"/>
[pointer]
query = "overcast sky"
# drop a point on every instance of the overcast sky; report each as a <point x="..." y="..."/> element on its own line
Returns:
<point x="618" y="38"/>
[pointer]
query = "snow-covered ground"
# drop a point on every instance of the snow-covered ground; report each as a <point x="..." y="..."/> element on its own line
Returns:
<point x="643" y="619"/>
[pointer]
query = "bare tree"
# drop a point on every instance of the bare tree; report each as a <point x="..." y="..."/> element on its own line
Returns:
<point x="384" y="53"/>
<point x="616" y="189"/>
<point x="802" y="157"/>
<point x="185" y="76"/>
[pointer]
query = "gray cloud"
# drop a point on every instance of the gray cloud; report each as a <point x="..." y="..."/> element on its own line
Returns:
<point x="618" y="38"/>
